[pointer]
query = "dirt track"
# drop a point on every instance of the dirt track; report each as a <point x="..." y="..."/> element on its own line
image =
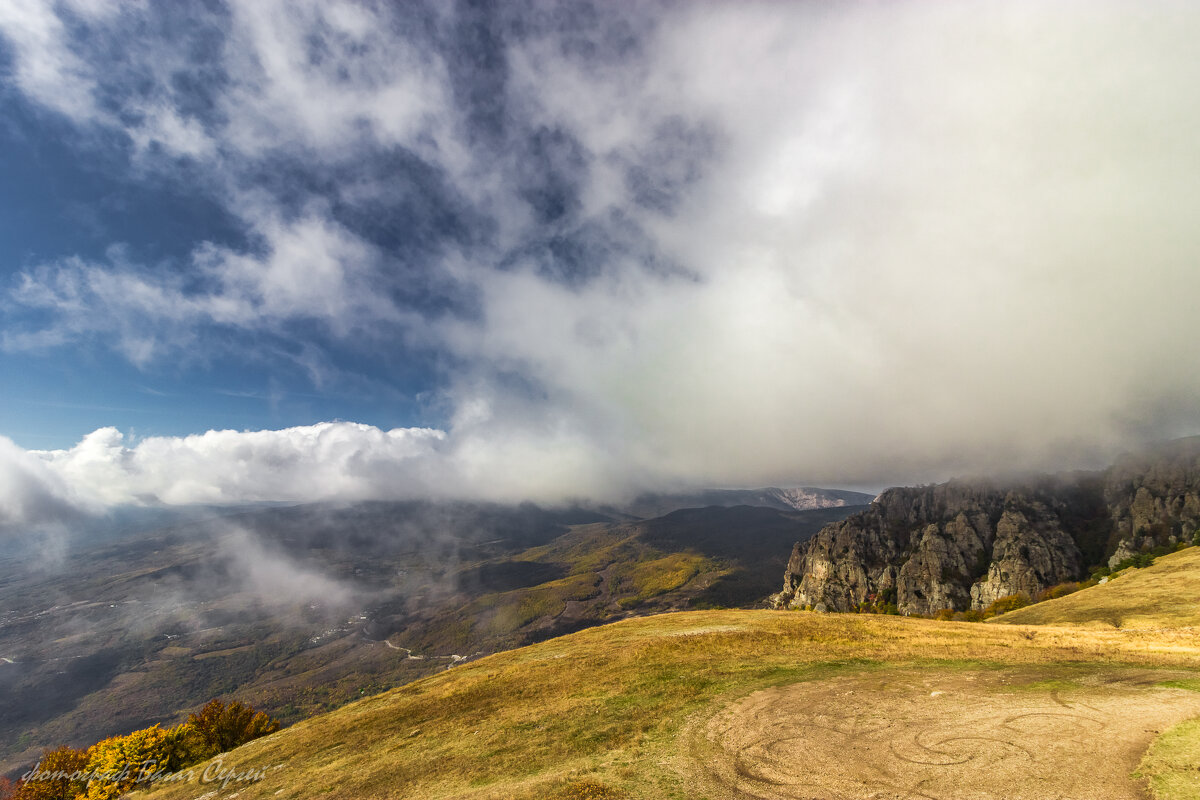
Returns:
<point x="953" y="735"/>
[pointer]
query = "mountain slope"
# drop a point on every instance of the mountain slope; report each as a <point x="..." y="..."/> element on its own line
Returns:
<point x="604" y="713"/>
<point x="1164" y="595"/>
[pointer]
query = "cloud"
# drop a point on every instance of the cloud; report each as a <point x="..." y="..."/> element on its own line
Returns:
<point x="545" y="460"/>
<point x="273" y="579"/>
<point x="46" y="67"/>
<point x="33" y="498"/>
<point x="934" y="241"/>
<point x="319" y="462"/>
<point x="307" y="268"/>
<point x="658" y="245"/>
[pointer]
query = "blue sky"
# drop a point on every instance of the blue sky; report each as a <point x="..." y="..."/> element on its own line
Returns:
<point x="277" y="251"/>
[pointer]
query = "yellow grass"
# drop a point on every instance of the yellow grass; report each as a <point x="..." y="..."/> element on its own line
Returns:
<point x="598" y="713"/>
<point x="1163" y="595"/>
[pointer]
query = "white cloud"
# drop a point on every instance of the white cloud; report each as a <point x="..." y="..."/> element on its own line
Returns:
<point x="317" y="75"/>
<point x="33" y="496"/>
<point x="328" y="461"/>
<point x="307" y="268"/>
<point x="45" y="66"/>
<point x="545" y="460"/>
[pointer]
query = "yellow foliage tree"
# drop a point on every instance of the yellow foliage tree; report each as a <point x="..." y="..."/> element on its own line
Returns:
<point x="118" y="763"/>
<point x="52" y="778"/>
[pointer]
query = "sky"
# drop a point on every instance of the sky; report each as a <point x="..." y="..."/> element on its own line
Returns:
<point x="272" y="251"/>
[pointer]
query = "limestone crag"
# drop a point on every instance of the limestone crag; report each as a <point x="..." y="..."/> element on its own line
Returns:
<point x="1156" y="495"/>
<point x="965" y="544"/>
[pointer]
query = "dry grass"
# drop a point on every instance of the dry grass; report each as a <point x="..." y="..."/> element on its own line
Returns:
<point x="598" y="713"/>
<point x="1163" y="595"/>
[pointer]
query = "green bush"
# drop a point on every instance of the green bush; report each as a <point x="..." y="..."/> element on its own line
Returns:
<point x="1140" y="561"/>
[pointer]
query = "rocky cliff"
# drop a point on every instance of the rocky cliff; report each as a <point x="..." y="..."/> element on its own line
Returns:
<point x="965" y="544"/>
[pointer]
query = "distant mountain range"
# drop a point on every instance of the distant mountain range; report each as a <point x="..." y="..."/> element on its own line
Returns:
<point x="804" y="498"/>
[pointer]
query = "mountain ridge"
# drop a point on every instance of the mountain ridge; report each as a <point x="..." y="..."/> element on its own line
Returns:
<point x="964" y="544"/>
<point x="801" y="498"/>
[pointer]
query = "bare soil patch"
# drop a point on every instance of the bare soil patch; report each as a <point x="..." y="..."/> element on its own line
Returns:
<point x="1009" y="734"/>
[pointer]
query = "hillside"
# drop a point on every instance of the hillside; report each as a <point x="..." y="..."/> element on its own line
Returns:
<point x="965" y="544"/>
<point x="299" y="610"/>
<point x="1164" y="595"/>
<point x="761" y="703"/>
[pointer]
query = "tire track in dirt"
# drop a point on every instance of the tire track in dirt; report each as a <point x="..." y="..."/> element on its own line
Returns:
<point x="936" y="735"/>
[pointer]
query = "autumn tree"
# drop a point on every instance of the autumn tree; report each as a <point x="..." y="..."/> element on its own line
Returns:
<point x="223" y="727"/>
<point x="58" y="775"/>
<point x="119" y="763"/>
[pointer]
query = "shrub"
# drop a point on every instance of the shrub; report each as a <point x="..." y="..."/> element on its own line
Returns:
<point x="1005" y="604"/>
<point x="883" y="602"/>
<point x="1059" y="590"/>
<point x="945" y="615"/>
<point x="1140" y="561"/>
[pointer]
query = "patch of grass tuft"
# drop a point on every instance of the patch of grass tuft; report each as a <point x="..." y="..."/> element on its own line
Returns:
<point x="1170" y="763"/>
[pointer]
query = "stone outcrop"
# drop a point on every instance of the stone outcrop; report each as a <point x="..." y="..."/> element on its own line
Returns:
<point x="964" y="544"/>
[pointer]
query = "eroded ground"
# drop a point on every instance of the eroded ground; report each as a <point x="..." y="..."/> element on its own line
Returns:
<point x="1005" y="734"/>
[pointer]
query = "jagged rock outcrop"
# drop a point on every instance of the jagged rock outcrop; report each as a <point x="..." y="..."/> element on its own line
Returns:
<point x="1154" y="497"/>
<point x="965" y="544"/>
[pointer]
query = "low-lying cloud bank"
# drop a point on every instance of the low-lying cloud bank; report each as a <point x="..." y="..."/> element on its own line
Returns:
<point x="42" y="490"/>
<point x="329" y="461"/>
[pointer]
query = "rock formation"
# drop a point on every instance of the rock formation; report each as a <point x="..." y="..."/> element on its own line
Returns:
<point x="965" y="544"/>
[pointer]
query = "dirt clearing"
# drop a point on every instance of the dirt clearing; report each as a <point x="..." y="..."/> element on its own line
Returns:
<point x="1010" y="734"/>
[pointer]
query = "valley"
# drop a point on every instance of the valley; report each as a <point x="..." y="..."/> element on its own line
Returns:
<point x="298" y="610"/>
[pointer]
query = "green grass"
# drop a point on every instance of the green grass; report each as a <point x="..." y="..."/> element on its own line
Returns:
<point x="1172" y="764"/>
<point x="1159" y="597"/>
<point x="1190" y="685"/>
<point x="662" y="575"/>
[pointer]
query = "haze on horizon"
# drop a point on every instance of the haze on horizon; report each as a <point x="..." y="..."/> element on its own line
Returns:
<point x="280" y="251"/>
